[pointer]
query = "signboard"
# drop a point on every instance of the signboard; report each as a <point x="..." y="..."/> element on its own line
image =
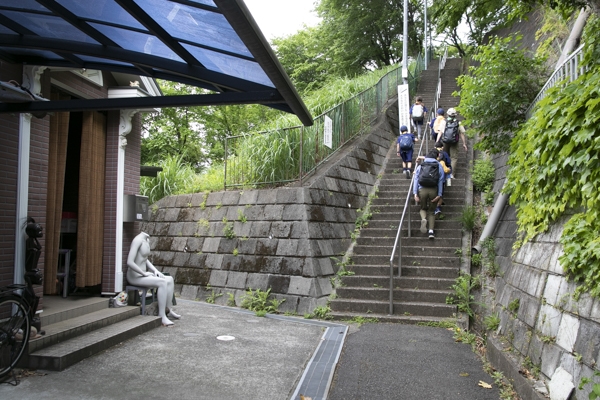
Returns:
<point x="403" y="106"/>
<point x="328" y="132"/>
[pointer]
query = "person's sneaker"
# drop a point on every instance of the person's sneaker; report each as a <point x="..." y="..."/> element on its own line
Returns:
<point x="437" y="211"/>
<point x="404" y="171"/>
<point x="431" y="235"/>
<point x="408" y="174"/>
<point x="423" y="225"/>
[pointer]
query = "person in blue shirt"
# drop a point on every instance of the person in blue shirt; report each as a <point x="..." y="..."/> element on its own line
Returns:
<point x="428" y="188"/>
<point x="404" y="149"/>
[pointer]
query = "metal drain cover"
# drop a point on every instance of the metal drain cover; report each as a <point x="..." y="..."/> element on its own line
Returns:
<point x="225" y="338"/>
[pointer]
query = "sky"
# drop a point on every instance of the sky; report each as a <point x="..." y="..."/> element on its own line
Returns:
<point x="277" y="18"/>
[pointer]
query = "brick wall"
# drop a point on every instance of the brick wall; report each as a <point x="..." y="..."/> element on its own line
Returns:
<point x="9" y="145"/>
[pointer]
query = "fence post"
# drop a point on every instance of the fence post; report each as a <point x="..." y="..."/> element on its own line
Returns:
<point x="301" y="152"/>
<point x="225" y="167"/>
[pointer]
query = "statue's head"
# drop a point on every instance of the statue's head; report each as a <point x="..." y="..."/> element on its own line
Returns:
<point x="33" y="229"/>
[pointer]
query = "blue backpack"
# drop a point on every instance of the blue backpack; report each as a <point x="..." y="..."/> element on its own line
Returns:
<point x="406" y="142"/>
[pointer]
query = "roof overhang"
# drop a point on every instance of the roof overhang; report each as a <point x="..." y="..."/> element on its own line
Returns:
<point x="212" y="44"/>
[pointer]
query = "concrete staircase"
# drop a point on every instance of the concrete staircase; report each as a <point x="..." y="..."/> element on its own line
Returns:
<point x="430" y="267"/>
<point x="79" y="327"/>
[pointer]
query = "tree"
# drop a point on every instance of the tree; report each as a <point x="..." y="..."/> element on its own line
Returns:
<point x="480" y="16"/>
<point x="304" y="58"/>
<point x="367" y="34"/>
<point x="196" y="135"/>
<point x="174" y="131"/>
<point x="496" y="94"/>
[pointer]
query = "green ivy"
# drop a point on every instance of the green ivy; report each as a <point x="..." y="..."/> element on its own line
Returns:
<point x="555" y="167"/>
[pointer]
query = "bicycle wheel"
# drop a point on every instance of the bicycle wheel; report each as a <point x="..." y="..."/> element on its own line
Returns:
<point x="14" y="332"/>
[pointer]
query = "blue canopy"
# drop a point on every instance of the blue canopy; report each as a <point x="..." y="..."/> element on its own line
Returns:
<point x="212" y="44"/>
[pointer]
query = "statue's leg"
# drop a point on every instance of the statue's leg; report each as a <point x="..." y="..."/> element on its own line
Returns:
<point x="170" y="291"/>
<point x="161" y="285"/>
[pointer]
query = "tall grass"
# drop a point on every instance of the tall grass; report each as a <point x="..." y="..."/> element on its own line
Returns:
<point x="174" y="178"/>
<point x="275" y="156"/>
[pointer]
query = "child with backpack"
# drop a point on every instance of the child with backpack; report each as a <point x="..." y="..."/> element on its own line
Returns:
<point x="418" y="115"/>
<point x="404" y="149"/>
<point x="451" y="132"/>
<point x="446" y="163"/>
<point x="436" y="124"/>
<point x="428" y="189"/>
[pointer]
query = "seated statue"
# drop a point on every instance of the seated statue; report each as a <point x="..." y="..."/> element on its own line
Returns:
<point x="138" y="275"/>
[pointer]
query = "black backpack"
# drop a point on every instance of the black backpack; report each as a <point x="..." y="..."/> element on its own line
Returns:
<point x="430" y="174"/>
<point x="451" y="132"/>
<point x="406" y="142"/>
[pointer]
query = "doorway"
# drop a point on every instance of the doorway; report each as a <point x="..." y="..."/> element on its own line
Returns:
<point x="75" y="209"/>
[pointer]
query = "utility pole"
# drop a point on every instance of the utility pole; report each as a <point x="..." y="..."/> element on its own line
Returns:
<point x="426" y="58"/>
<point x="405" y="45"/>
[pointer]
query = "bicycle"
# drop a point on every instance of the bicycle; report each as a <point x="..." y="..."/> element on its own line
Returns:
<point x="16" y="316"/>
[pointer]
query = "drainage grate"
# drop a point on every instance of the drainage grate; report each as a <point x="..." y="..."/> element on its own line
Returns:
<point x="318" y="374"/>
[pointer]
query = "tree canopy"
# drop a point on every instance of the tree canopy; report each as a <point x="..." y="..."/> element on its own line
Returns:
<point x="367" y="34"/>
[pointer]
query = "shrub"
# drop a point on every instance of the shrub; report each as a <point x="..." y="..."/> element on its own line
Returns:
<point x="484" y="173"/>
<point x="468" y="218"/>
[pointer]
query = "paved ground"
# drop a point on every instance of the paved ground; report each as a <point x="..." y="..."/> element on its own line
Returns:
<point x="269" y="358"/>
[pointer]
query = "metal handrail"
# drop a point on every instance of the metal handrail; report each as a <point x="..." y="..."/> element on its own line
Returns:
<point x="398" y="241"/>
<point x="569" y="70"/>
<point x="371" y="103"/>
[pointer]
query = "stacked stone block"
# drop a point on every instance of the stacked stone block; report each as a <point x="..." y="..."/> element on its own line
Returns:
<point x="550" y="329"/>
<point x="219" y="245"/>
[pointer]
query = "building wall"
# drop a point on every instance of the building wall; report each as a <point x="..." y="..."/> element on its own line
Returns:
<point x="9" y="142"/>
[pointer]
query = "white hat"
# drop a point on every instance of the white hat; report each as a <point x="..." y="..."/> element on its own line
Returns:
<point x="452" y="112"/>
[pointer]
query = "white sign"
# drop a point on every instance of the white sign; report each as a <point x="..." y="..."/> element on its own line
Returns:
<point x="327" y="133"/>
<point x="403" y="106"/>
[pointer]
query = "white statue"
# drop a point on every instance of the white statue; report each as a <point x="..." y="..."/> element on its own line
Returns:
<point x="138" y="275"/>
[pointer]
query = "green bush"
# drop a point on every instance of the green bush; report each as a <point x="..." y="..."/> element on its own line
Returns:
<point x="468" y="218"/>
<point x="462" y="297"/>
<point x="259" y="302"/>
<point x="496" y="93"/>
<point x="484" y="173"/>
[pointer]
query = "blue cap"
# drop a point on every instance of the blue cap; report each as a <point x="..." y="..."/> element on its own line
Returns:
<point x="403" y="128"/>
<point x="440" y="111"/>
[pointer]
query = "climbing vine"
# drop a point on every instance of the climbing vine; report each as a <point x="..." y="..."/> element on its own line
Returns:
<point x="555" y="168"/>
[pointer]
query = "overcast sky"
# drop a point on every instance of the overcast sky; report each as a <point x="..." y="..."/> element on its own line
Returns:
<point x="277" y="18"/>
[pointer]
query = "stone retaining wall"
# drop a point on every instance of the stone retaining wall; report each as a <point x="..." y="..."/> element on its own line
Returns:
<point x="550" y="331"/>
<point x="218" y="245"/>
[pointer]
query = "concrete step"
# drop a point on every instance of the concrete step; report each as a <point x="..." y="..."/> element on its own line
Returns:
<point x="369" y="246"/>
<point x="69" y="328"/>
<point x="407" y="271"/>
<point x="429" y="267"/>
<point x="401" y="295"/>
<point x="70" y="307"/>
<point x="369" y="307"/>
<point x="413" y="282"/>
<point x="412" y="260"/>
<point x="386" y="317"/>
<point x="77" y="327"/>
<point x="65" y="354"/>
